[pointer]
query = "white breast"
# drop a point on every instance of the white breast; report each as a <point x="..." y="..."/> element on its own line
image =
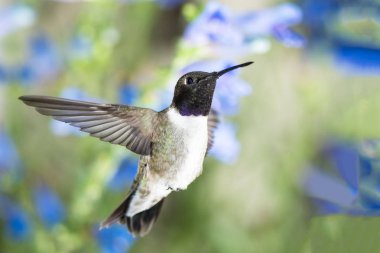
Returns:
<point x="195" y="137"/>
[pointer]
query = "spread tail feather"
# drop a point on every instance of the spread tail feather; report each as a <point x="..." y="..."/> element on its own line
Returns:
<point x="139" y="224"/>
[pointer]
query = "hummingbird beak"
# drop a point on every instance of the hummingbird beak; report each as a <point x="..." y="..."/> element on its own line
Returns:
<point x="222" y="72"/>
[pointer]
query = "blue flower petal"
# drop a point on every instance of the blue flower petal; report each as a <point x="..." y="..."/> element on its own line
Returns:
<point x="44" y="57"/>
<point x="18" y="224"/>
<point x="346" y="161"/>
<point x="326" y="207"/>
<point x="26" y="74"/>
<point x="350" y="193"/>
<point x="259" y="23"/>
<point x="17" y="221"/>
<point x="48" y="205"/>
<point x="323" y="186"/>
<point x="288" y="37"/>
<point x="230" y="33"/>
<point x="357" y="59"/>
<point x="228" y="94"/>
<point x="366" y="168"/>
<point x="42" y="64"/>
<point x="115" y="239"/>
<point x="214" y="25"/>
<point x="124" y="175"/>
<point x="128" y="94"/>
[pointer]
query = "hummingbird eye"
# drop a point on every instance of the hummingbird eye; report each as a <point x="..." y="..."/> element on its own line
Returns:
<point x="189" y="80"/>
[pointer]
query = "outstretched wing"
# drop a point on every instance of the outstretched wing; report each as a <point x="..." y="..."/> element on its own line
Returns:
<point x="212" y="123"/>
<point x="128" y="126"/>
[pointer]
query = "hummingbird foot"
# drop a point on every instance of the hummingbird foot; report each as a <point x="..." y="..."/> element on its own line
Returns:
<point x="173" y="189"/>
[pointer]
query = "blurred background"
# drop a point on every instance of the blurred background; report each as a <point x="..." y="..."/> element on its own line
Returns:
<point x="296" y="162"/>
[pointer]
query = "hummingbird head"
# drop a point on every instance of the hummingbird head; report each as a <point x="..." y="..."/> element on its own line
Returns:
<point x="194" y="91"/>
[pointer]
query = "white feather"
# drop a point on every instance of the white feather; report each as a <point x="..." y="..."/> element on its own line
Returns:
<point x="195" y="141"/>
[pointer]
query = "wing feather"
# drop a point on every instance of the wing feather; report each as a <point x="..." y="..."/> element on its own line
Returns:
<point x="212" y="123"/>
<point x="118" y="124"/>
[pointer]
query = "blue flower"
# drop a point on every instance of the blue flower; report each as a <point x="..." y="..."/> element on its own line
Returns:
<point x="124" y="174"/>
<point x="128" y="94"/>
<point x="48" y="206"/>
<point x="9" y="158"/>
<point x="61" y="128"/>
<point x="230" y="88"/>
<point x="226" y="147"/>
<point x="15" y="17"/>
<point x="17" y="222"/>
<point x="261" y="23"/>
<point x="115" y="239"/>
<point x="42" y="64"/>
<point x="274" y="21"/>
<point x="354" y="190"/>
<point x="226" y="32"/>
<point x="214" y="26"/>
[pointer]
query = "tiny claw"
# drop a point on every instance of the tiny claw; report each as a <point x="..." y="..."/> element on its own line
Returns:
<point x="102" y="226"/>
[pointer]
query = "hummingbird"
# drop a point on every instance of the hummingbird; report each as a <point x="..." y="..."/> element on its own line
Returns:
<point x="172" y="143"/>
